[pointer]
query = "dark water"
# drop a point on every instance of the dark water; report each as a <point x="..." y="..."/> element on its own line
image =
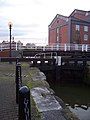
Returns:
<point x="76" y="97"/>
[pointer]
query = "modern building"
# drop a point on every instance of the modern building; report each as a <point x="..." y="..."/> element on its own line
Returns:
<point x="74" y="29"/>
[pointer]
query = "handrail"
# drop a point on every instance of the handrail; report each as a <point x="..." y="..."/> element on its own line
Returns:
<point x="63" y="47"/>
<point x="57" y="47"/>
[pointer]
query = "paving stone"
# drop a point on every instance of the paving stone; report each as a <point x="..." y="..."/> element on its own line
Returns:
<point x="8" y="106"/>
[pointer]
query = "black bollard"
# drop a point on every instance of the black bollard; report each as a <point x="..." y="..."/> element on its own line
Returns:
<point x="24" y="103"/>
<point x="17" y="60"/>
<point x="18" y="80"/>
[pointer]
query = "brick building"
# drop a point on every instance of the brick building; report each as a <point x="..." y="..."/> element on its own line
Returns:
<point x="74" y="29"/>
<point x="5" y="45"/>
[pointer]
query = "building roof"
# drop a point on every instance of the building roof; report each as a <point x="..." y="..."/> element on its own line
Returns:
<point x="76" y="11"/>
<point x="81" y="15"/>
<point x="79" y="12"/>
<point x="58" y="16"/>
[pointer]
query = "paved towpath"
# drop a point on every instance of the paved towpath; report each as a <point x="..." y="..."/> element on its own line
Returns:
<point x="8" y="107"/>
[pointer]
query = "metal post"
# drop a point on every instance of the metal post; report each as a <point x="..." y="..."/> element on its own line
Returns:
<point x="10" y="40"/>
<point x="51" y="55"/>
<point x="43" y="48"/>
<point x="65" y="47"/>
<point x="10" y="27"/>
<point x="24" y="103"/>
<point x="86" y="48"/>
<point x="59" y="60"/>
<point x="82" y="48"/>
<point x="44" y="56"/>
<point x="18" y="80"/>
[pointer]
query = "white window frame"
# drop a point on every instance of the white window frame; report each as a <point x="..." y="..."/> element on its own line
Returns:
<point x="57" y="30"/>
<point x="85" y="37"/>
<point x="78" y="27"/>
<point x="57" y="38"/>
<point x="86" y="28"/>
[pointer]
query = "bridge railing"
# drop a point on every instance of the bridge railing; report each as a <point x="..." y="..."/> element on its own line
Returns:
<point x="58" y="47"/>
<point x="62" y="47"/>
<point x="70" y="47"/>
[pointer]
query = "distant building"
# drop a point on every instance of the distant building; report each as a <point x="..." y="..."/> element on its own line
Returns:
<point x="19" y="45"/>
<point x="30" y="45"/>
<point x="5" y="45"/>
<point x="73" y="29"/>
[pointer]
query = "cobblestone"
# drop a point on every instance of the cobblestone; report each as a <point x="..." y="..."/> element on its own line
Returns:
<point x="8" y="106"/>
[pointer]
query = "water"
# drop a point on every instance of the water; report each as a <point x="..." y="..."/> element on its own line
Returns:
<point x="76" y="97"/>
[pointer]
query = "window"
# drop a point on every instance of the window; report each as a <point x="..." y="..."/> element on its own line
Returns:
<point x="86" y="28"/>
<point x="85" y="37"/>
<point x="57" y="21"/>
<point x="57" y="38"/>
<point x="77" y="27"/>
<point x="57" y="30"/>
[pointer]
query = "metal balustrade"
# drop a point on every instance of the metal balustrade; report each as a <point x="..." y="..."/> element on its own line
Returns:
<point x="63" y="47"/>
<point x="58" y="47"/>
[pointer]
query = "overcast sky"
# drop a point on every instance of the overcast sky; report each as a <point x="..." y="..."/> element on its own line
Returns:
<point x="31" y="18"/>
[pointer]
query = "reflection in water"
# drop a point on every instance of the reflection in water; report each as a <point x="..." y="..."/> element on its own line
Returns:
<point x="77" y="98"/>
<point x="79" y="106"/>
<point x="81" y="113"/>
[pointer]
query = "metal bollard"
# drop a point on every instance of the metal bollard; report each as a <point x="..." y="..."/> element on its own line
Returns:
<point x="18" y="80"/>
<point x="24" y="103"/>
<point x="17" y="60"/>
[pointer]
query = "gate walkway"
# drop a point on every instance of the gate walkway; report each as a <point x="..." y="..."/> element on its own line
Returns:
<point x="8" y="107"/>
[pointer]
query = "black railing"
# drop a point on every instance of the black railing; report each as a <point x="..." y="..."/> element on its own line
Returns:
<point x="24" y="103"/>
<point x="22" y="96"/>
<point x="18" y="80"/>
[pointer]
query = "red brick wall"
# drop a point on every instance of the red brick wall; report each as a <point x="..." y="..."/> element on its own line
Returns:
<point x="81" y="35"/>
<point x="4" y="53"/>
<point x="57" y="22"/>
<point x="64" y="34"/>
<point x="52" y="36"/>
<point x="89" y="35"/>
<point x="80" y="16"/>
